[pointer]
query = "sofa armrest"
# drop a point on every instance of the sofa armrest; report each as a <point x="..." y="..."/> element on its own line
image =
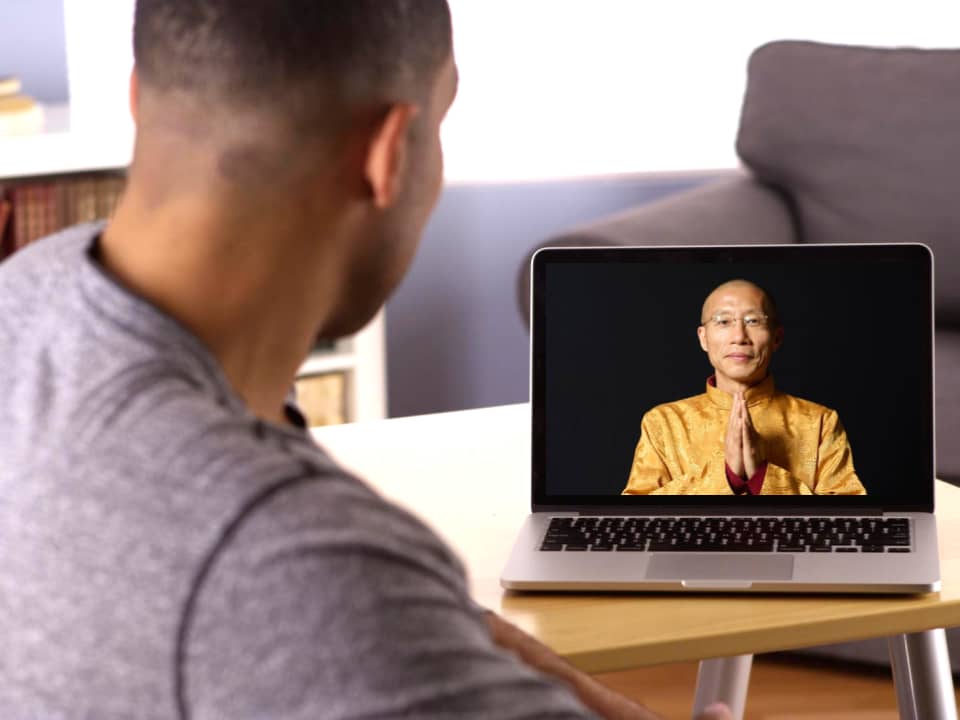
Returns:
<point x="729" y="212"/>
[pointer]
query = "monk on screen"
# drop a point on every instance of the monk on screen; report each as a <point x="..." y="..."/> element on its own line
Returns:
<point x="742" y="436"/>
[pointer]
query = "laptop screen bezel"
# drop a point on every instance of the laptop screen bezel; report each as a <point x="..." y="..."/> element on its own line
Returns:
<point x="915" y="255"/>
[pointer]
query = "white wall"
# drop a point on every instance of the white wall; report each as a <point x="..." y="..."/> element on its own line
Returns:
<point x="566" y="88"/>
<point x="99" y="37"/>
<point x="555" y="88"/>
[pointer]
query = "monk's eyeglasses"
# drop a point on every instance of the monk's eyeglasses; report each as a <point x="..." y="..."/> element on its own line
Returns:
<point x="725" y="321"/>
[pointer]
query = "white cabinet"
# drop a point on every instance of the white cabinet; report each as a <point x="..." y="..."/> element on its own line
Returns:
<point x="362" y="360"/>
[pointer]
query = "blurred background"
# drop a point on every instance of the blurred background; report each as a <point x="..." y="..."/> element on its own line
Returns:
<point x="566" y="111"/>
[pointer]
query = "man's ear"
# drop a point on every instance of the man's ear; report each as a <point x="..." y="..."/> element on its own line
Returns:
<point x="702" y="334"/>
<point x="134" y="94"/>
<point x="777" y="338"/>
<point x="387" y="153"/>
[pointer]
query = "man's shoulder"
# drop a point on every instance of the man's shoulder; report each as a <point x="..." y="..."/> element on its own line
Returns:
<point x="802" y="406"/>
<point x="50" y="255"/>
<point x="276" y="478"/>
<point x="320" y="511"/>
<point x="190" y="437"/>
<point x="258" y="486"/>
<point x="39" y="275"/>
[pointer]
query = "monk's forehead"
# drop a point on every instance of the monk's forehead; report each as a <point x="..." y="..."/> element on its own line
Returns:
<point x="734" y="293"/>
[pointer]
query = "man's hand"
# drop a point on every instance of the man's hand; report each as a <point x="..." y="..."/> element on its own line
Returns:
<point x="751" y="442"/>
<point x="733" y="443"/>
<point x="598" y="698"/>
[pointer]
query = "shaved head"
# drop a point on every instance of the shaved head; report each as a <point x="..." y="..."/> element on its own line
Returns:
<point x="308" y="64"/>
<point x="768" y="304"/>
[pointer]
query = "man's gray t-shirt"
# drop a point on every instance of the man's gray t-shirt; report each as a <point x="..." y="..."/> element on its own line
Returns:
<point x="164" y="553"/>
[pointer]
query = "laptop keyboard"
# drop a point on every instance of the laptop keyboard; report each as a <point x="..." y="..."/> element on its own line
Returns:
<point x="727" y="534"/>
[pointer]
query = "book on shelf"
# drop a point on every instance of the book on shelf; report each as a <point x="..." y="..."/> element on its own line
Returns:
<point x="4" y="216"/>
<point x="43" y="206"/>
<point x="322" y="398"/>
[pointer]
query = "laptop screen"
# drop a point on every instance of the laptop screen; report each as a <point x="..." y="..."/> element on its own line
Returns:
<point x="769" y="376"/>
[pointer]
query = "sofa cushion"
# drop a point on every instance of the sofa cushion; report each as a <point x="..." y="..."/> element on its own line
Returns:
<point x="947" y="344"/>
<point x="734" y="210"/>
<point x="866" y="142"/>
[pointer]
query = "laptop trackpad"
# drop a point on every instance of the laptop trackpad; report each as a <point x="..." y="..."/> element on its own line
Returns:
<point x="714" y="566"/>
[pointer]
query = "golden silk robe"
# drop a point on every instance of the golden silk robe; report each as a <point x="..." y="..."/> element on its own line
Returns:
<point x="680" y="451"/>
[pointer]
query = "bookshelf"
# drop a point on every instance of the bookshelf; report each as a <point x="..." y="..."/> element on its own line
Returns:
<point x="353" y="369"/>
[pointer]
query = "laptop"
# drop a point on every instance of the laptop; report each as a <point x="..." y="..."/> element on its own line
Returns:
<point x="731" y="419"/>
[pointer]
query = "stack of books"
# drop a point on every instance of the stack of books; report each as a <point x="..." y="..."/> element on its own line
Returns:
<point x="31" y="209"/>
<point x="19" y="114"/>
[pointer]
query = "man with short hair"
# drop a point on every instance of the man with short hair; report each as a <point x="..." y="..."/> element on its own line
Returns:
<point x="174" y="543"/>
<point x="742" y="436"/>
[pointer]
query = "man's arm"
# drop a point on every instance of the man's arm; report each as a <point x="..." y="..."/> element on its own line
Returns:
<point x="322" y="606"/>
<point x="649" y="471"/>
<point x="835" y="473"/>
<point x="660" y="465"/>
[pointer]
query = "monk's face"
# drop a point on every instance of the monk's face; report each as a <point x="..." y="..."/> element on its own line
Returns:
<point x="737" y="335"/>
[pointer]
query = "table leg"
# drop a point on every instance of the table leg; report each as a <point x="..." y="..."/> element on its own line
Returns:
<point x="723" y="679"/>
<point x="921" y="675"/>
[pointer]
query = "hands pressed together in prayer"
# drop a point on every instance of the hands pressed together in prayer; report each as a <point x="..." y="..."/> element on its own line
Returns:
<point x="743" y="446"/>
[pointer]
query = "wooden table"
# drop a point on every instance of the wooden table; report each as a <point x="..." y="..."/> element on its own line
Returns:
<point x="467" y="474"/>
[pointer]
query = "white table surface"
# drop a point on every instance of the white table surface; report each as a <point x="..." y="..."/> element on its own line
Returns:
<point x="467" y="474"/>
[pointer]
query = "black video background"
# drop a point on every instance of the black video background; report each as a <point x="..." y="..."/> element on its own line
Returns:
<point x="621" y="338"/>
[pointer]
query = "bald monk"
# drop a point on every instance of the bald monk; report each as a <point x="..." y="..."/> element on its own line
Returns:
<point x="742" y="436"/>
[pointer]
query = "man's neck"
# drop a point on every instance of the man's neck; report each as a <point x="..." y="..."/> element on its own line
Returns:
<point x="243" y="284"/>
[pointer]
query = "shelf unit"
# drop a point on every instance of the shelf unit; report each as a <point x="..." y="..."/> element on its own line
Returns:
<point x="60" y="151"/>
<point x="363" y="358"/>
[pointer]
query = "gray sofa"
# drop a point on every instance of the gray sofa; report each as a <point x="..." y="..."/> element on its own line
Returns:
<point x="839" y="144"/>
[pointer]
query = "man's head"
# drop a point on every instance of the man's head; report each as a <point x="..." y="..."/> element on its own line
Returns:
<point x="739" y="330"/>
<point x="311" y="65"/>
<point x="334" y="103"/>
